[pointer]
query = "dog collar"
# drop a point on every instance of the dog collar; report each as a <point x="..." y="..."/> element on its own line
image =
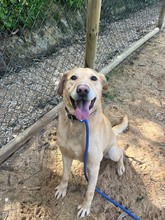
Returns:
<point x="70" y="116"/>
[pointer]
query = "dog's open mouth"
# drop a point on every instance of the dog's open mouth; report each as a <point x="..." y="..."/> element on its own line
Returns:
<point x="82" y="107"/>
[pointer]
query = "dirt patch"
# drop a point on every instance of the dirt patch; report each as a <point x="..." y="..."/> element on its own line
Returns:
<point x="29" y="177"/>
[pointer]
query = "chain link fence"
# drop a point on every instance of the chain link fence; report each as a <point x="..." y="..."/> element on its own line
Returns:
<point x="41" y="39"/>
<point x="122" y="24"/>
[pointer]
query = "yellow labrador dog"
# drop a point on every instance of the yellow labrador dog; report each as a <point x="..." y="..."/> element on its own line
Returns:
<point x="81" y="89"/>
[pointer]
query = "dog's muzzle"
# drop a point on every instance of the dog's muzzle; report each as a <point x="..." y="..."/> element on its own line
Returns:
<point x="82" y="101"/>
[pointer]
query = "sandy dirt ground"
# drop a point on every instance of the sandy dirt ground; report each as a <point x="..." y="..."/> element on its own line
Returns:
<point x="28" y="179"/>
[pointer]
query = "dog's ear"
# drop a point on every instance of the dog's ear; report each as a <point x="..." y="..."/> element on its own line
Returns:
<point x="104" y="82"/>
<point x="61" y="85"/>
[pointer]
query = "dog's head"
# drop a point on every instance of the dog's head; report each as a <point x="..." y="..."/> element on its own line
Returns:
<point x="81" y="89"/>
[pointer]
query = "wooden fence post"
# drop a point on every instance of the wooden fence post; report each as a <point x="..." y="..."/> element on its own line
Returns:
<point x="92" y="29"/>
<point x="161" y="16"/>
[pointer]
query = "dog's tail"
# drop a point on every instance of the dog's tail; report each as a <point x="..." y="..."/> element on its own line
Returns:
<point x="118" y="129"/>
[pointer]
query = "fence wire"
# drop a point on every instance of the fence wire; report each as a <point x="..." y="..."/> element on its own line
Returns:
<point x="122" y="24"/>
<point x="41" y="39"/>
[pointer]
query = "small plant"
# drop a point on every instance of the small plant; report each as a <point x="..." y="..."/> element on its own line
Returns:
<point x="109" y="95"/>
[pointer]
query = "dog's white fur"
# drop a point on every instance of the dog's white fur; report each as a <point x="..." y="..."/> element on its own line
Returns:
<point x="71" y="134"/>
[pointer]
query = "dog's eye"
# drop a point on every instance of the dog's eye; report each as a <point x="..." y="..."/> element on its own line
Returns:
<point x="93" y="78"/>
<point x="73" y="77"/>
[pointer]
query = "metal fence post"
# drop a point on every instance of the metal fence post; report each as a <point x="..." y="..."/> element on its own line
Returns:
<point x="92" y="29"/>
<point x="161" y="16"/>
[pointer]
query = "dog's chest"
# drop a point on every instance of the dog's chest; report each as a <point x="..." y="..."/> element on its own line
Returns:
<point x="72" y="144"/>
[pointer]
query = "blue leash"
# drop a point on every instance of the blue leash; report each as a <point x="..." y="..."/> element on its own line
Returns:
<point x="97" y="190"/>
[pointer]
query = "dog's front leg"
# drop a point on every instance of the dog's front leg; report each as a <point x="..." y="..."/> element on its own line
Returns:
<point x="62" y="187"/>
<point x="84" y="208"/>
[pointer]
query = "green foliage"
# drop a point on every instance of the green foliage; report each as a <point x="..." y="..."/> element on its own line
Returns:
<point x="19" y="13"/>
<point x="75" y="3"/>
<point x="15" y="13"/>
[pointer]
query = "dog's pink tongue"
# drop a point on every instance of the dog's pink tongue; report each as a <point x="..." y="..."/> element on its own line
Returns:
<point x="82" y="109"/>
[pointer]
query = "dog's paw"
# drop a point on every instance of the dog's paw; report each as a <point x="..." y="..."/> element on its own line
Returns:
<point x="60" y="191"/>
<point x="83" y="210"/>
<point x="121" y="170"/>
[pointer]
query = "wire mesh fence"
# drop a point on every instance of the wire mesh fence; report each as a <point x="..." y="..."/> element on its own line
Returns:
<point x="123" y="23"/>
<point x="41" y="39"/>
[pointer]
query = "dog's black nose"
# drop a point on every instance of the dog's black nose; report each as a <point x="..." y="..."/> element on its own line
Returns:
<point x="82" y="90"/>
